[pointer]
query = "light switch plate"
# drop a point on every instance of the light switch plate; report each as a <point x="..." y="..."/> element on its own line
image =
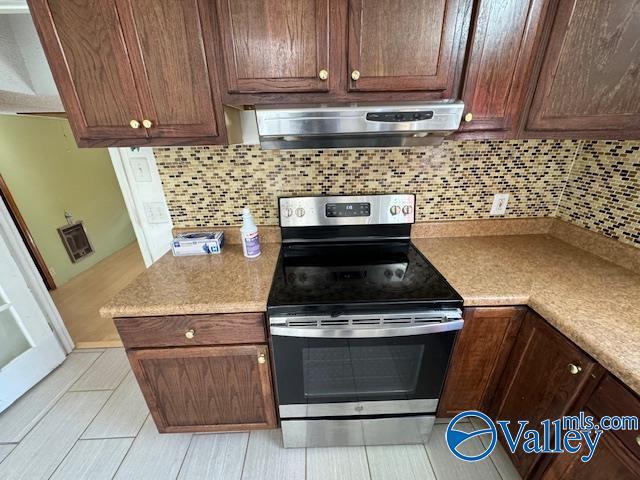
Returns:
<point x="156" y="212"/>
<point x="500" y="201"/>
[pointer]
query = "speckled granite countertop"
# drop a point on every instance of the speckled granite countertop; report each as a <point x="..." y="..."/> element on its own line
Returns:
<point x="592" y="301"/>
<point x="223" y="283"/>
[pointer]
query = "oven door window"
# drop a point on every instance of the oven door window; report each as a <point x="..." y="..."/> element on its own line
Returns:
<point x="319" y="370"/>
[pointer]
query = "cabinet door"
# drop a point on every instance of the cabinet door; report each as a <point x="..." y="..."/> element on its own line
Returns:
<point x="399" y="46"/>
<point x="479" y="357"/>
<point x="275" y="45"/>
<point x="85" y="47"/>
<point x="538" y="382"/>
<point x="610" y="460"/>
<point x="590" y="78"/>
<point x="500" y="61"/>
<point x="205" y="389"/>
<point x="176" y="80"/>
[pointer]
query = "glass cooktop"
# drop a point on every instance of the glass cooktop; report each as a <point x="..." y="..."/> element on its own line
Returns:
<point x="327" y="278"/>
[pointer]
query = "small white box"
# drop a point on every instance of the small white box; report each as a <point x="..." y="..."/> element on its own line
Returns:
<point x="197" y="243"/>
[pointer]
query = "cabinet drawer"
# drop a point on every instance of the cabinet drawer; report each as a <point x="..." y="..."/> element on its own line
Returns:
<point x="187" y="330"/>
<point x="614" y="399"/>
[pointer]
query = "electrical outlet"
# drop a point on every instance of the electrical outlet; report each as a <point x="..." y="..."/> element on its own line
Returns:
<point x="500" y="201"/>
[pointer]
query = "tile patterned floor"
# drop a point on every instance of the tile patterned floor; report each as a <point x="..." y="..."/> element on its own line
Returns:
<point x="88" y="420"/>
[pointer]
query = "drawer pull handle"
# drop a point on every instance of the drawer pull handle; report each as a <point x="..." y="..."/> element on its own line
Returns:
<point x="190" y="333"/>
<point x="574" y="369"/>
<point x="261" y="359"/>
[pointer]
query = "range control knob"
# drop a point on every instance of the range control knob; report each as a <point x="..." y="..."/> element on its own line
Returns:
<point x="407" y="209"/>
<point x="395" y="210"/>
<point x="287" y="212"/>
<point x="300" y="212"/>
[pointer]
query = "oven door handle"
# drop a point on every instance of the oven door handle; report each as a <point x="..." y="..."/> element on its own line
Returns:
<point x="366" y="332"/>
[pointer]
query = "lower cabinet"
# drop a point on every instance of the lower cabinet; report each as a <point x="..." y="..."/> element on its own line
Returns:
<point x="545" y="377"/>
<point x="202" y="373"/>
<point x="191" y="389"/>
<point x="618" y="452"/>
<point x="479" y="357"/>
<point x="611" y="460"/>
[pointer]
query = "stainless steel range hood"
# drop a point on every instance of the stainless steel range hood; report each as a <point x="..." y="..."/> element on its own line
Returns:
<point x="396" y="125"/>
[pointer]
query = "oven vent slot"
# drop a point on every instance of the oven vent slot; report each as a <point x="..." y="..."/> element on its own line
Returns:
<point x="397" y="321"/>
<point x="365" y="321"/>
<point x="302" y="323"/>
<point x="423" y="320"/>
<point x="334" y="322"/>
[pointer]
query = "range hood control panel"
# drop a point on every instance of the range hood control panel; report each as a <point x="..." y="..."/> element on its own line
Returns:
<point x="399" y="116"/>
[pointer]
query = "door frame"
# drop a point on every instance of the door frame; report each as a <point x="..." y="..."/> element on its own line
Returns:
<point x="26" y="265"/>
<point x="23" y="229"/>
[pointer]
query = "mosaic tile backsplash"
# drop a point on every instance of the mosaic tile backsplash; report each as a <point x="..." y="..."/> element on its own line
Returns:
<point x="603" y="190"/>
<point x="207" y="186"/>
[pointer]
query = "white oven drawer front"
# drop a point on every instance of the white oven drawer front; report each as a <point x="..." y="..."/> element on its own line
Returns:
<point x="376" y="431"/>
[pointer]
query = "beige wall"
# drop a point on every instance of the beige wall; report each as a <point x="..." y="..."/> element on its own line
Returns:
<point x="47" y="174"/>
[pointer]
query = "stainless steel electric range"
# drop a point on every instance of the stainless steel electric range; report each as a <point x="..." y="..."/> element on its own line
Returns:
<point x="362" y="325"/>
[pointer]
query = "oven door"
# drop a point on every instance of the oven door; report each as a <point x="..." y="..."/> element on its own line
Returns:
<point x="330" y="372"/>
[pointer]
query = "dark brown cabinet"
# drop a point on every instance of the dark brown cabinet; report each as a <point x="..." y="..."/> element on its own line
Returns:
<point x="206" y="388"/>
<point x="85" y="47"/>
<point x="618" y="452"/>
<point x="610" y="460"/>
<point x="202" y="373"/>
<point x="544" y="377"/>
<point x="479" y="357"/>
<point x="404" y="46"/>
<point x="503" y="42"/>
<point x="275" y="45"/>
<point x="300" y="51"/>
<point x="134" y="73"/>
<point x="589" y="84"/>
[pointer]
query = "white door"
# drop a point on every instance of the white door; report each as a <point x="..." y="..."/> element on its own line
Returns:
<point x="29" y="350"/>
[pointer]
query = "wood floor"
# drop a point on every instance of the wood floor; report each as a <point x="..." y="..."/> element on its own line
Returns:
<point x="88" y="420"/>
<point x="79" y="299"/>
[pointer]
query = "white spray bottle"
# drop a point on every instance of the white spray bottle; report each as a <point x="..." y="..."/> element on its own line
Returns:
<point x="249" y="234"/>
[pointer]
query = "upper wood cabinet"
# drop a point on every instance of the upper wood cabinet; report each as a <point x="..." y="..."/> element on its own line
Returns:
<point x="544" y="377"/>
<point x="85" y="46"/>
<point x="275" y="45"/>
<point x="479" y="357"/>
<point x="589" y="84"/>
<point x="121" y="65"/>
<point x="166" y="46"/>
<point x="401" y="46"/>
<point x="504" y="39"/>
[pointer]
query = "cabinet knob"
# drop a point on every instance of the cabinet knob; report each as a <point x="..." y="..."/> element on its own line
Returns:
<point x="134" y="124"/>
<point x="574" y="369"/>
<point x="261" y="359"/>
<point x="468" y="117"/>
<point x="147" y="123"/>
<point x="355" y="75"/>
<point x="323" y="74"/>
<point x="190" y="333"/>
<point x="638" y="440"/>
